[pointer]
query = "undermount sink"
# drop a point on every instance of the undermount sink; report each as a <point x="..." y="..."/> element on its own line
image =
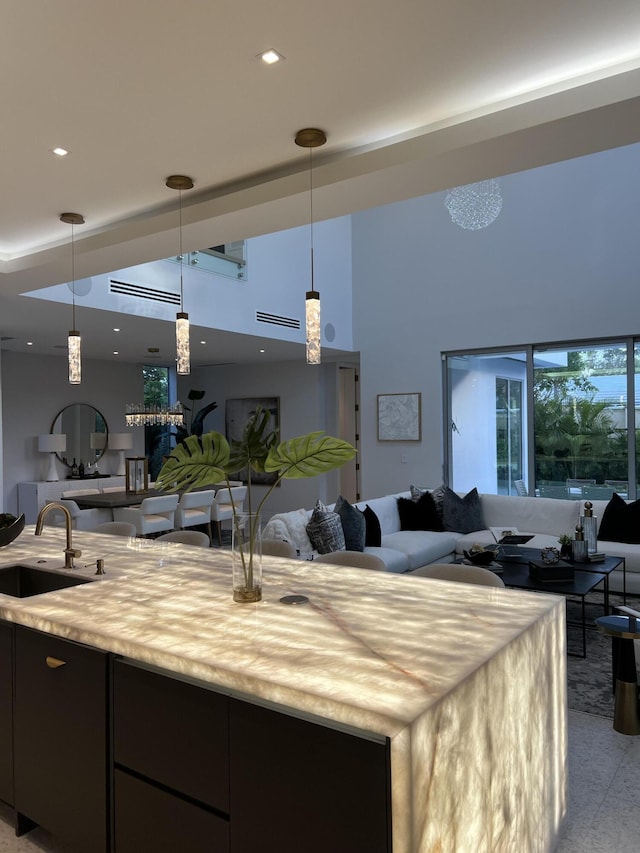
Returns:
<point x="25" y="581"/>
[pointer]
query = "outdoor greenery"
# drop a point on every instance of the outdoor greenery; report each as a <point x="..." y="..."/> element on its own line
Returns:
<point x="575" y="435"/>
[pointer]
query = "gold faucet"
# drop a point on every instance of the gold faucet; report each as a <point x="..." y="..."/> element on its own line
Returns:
<point x="69" y="552"/>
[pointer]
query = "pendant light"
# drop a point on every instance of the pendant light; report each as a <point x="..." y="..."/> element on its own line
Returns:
<point x="312" y="138"/>
<point x="74" y="341"/>
<point x="183" y="356"/>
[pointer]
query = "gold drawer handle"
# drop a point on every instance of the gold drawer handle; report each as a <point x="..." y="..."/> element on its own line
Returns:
<point x="54" y="663"/>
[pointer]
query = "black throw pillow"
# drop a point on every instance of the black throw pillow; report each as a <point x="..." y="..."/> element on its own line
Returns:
<point x="353" y="524"/>
<point x="462" y="515"/>
<point x="373" y="531"/>
<point x="419" y="515"/>
<point x="620" y="521"/>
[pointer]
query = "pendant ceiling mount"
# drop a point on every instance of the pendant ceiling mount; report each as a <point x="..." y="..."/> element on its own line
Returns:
<point x="72" y="218"/>
<point x="310" y="137"/>
<point x="179" y="182"/>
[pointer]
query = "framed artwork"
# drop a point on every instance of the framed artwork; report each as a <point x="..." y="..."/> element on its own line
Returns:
<point x="237" y="413"/>
<point x="399" y="417"/>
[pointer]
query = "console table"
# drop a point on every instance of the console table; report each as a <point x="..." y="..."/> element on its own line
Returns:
<point x="33" y="496"/>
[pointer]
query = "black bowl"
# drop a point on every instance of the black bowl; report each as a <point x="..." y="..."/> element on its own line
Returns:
<point x="8" y="534"/>
<point x="480" y="558"/>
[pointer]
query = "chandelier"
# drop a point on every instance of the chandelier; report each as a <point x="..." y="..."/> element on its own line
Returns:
<point x="137" y="414"/>
<point x="474" y="206"/>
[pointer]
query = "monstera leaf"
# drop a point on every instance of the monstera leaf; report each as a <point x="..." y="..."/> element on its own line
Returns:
<point x="308" y="456"/>
<point x="196" y="462"/>
<point x="208" y="459"/>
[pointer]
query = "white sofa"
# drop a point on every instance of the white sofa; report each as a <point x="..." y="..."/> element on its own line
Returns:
<point x="407" y="550"/>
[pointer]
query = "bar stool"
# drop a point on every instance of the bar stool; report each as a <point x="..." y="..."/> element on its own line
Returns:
<point x="623" y="630"/>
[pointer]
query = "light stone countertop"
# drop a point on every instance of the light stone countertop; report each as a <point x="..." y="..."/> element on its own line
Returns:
<point x="467" y="682"/>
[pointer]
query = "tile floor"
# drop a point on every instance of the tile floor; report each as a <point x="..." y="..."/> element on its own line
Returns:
<point x="604" y="795"/>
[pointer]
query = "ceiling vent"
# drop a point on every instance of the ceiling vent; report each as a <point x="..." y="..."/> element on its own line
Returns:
<point x="140" y="292"/>
<point x="277" y="320"/>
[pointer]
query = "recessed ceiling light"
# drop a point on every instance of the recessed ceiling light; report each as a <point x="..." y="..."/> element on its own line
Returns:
<point x="115" y="352"/>
<point x="271" y="56"/>
<point x="116" y="330"/>
<point x="261" y="350"/>
<point x="61" y="152"/>
<point x="203" y="342"/>
<point x="29" y="343"/>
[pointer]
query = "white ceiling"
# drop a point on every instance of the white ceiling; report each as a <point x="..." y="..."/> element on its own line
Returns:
<point x="415" y="96"/>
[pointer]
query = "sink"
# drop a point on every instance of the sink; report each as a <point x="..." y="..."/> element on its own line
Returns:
<point x="24" y="581"/>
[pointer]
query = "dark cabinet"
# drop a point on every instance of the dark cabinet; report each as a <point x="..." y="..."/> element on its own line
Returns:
<point x="300" y="785"/>
<point x="6" y="713"/>
<point x="171" y="754"/>
<point x="61" y="738"/>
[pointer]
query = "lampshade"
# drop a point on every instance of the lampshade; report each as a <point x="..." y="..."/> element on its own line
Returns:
<point x="52" y="443"/>
<point x="120" y="441"/>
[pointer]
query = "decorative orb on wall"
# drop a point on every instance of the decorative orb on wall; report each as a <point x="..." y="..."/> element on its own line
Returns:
<point x="474" y="206"/>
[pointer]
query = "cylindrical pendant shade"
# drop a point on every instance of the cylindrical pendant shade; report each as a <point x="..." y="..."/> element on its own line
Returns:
<point x="183" y="356"/>
<point x="75" y="367"/>
<point x="313" y="326"/>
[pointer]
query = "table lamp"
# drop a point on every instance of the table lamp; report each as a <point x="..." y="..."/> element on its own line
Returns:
<point x="52" y="443"/>
<point x="121" y="441"/>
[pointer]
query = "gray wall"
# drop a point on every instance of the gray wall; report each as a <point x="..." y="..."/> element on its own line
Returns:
<point x="562" y="261"/>
<point x="35" y="388"/>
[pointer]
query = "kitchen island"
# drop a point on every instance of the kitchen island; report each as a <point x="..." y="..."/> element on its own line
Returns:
<point x="465" y="685"/>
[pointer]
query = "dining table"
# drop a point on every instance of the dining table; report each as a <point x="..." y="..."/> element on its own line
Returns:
<point x="111" y="500"/>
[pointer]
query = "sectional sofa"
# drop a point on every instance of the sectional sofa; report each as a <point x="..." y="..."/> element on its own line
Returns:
<point x="407" y="550"/>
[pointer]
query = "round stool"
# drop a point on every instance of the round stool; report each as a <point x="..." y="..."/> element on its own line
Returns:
<point x="623" y="630"/>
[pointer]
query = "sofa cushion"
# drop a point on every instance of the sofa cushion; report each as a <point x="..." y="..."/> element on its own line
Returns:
<point x="325" y="530"/>
<point x="373" y="533"/>
<point x="394" y="561"/>
<point x="353" y="524"/>
<point x="421" y="546"/>
<point x="462" y="515"/>
<point x="420" y="514"/>
<point x="552" y="516"/>
<point x="292" y="527"/>
<point x="620" y="521"/>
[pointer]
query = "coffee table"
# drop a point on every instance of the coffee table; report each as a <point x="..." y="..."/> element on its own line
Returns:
<point x="520" y="554"/>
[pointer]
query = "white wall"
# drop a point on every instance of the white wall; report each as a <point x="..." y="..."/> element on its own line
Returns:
<point x="561" y="262"/>
<point x="35" y="388"/>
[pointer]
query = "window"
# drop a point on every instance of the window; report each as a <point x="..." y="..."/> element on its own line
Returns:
<point x="555" y="415"/>
<point x="157" y="439"/>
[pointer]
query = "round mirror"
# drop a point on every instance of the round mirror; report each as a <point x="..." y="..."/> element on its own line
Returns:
<point x="86" y="431"/>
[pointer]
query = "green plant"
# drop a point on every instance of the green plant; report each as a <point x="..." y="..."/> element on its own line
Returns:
<point x="194" y="421"/>
<point x="565" y="539"/>
<point x="207" y="459"/>
<point x="6" y="519"/>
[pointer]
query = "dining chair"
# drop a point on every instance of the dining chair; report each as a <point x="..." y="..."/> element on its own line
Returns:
<point x="355" y="559"/>
<point x="223" y="504"/>
<point x="81" y="519"/>
<point x="70" y="493"/>
<point x="116" y="528"/>
<point x="278" y="548"/>
<point x="194" y="508"/>
<point x="460" y="573"/>
<point x="153" y="515"/>
<point x="185" y="537"/>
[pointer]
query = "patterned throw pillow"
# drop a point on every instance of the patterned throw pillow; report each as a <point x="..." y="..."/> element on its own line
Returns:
<point x="353" y="524"/>
<point x="325" y="530"/>
<point x="417" y="492"/>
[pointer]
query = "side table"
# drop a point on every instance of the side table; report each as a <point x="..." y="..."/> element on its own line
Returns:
<point x="623" y="630"/>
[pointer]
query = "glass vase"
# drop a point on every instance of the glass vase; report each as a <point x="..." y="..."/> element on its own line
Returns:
<point x="246" y="554"/>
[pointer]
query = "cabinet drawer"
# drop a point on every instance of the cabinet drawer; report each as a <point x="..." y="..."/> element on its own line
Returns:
<point x="61" y="737"/>
<point x="172" y="732"/>
<point x="148" y="818"/>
